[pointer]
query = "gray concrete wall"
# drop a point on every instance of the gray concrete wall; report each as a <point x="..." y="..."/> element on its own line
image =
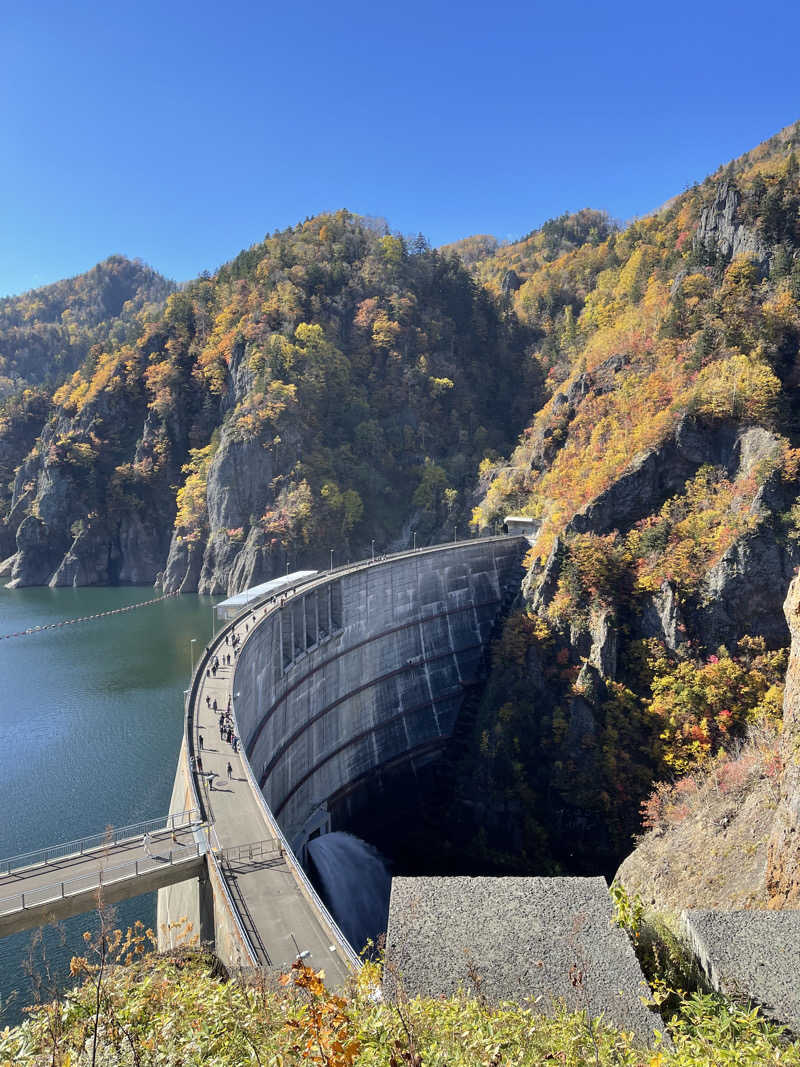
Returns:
<point x="366" y="669"/>
<point x="198" y="910"/>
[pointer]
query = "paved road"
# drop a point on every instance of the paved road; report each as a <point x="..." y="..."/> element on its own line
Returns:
<point x="265" y="887"/>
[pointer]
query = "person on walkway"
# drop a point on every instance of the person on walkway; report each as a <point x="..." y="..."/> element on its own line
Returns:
<point x="214" y="705"/>
<point x="208" y="701"/>
<point x="230" y="770"/>
<point x="200" y="764"/>
<point x="200" y="738"/>
<point x="235" y="743"/>
<point x="147" y="846"/>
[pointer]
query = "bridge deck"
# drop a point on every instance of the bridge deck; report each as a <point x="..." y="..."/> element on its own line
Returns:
<point x="279" y="918"/>
<point x="69" y="885"/>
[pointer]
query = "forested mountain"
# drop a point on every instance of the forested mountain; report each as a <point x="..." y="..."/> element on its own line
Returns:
<point x="504" y="268"/>
<point x="46" y="333"/>
<point x="663" y="470"/>
<point x="331" y="385"/>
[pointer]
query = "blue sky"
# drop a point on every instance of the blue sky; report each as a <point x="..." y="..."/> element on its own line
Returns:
<point x="183" y="132"/>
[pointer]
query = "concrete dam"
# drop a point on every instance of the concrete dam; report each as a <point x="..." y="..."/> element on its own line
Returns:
<point x="333" y="686"/>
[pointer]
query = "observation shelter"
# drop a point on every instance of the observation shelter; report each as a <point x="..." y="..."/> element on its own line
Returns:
<point x="235" y="605"/>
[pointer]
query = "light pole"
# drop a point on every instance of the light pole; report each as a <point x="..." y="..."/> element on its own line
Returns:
<point x="454" y="532"/>
<point x="373" y="549"/>
<point x="414" y="532"/>
<point x="287" y="566"/>
<point x="331" y="559"/>
<point x="192" y="643"/>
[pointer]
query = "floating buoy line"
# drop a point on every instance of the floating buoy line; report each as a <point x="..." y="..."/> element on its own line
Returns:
<point x="87" y="618"/>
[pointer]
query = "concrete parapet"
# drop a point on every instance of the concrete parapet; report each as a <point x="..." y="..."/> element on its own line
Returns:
<point x="542" y="941"/>
<point x="752" y="955"/>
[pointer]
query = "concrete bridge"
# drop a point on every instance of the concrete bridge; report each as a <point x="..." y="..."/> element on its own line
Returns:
<point x="54" y="883"/>
<point x="334" y="685"/>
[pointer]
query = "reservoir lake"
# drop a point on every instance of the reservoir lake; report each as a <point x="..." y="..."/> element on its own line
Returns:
<point x="91" y="717"/>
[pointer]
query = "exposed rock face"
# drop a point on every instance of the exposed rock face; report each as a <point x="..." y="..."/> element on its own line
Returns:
<point x="239" y="488"/>
<point x="660" y="473"/>
<point x="731" y="849"/>
<point x="742" y="593"/>
<point x="661" y="617"/>
<point x="36" y="557"/>
<point x="603" y="653"/>
<point x="713" y="856"/>
<point x="719" y="231"/>
<point x="184" y="563"/>
<point x="236" y="553"/>
<point x="86" y="563"/>
<point x="783" y="862"/>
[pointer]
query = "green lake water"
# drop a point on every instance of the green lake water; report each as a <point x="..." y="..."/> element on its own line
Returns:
<point x="90" y="726"/>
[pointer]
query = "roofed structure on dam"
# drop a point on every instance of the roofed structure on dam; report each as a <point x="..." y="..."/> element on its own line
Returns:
<point x="231" y="607"/>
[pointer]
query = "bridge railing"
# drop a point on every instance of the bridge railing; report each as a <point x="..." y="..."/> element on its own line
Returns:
<point x="99" y="877"/>
<point x="256" y="850"/>
<point x="180" y="820"/>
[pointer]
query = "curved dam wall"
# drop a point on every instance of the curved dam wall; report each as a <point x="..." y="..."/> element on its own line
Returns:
<point x="365" y="670"/>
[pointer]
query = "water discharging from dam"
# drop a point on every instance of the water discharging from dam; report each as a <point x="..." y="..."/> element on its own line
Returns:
<point x="355" y="883"/>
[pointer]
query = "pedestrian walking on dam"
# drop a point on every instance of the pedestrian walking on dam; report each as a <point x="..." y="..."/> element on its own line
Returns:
<point x="214" y="705"/>
<point x="230" y="770"/>
<point x="200" y="738"/>
<point x="147" y="846"/>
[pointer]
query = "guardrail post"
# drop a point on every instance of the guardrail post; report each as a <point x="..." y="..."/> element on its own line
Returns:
<point x="101" y="876"/>
<point x="136" y="868"/>
<point x="22" y="898"/>
<point x="62" y="890"/>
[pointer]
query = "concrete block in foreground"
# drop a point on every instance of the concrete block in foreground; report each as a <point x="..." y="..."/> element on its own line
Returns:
<point x="752" y="954"/>
<point x="550" y="939"/>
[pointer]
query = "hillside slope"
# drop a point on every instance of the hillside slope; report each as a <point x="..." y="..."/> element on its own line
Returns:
<point x="663" y="471"/>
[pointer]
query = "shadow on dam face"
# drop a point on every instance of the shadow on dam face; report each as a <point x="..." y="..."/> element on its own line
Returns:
<point x="356" y="696"/>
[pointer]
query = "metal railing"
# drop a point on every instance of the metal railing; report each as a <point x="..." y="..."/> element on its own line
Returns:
<point x="256" y="851"/>
<point x="103" y="876"/>
<point x="180" y="820"/>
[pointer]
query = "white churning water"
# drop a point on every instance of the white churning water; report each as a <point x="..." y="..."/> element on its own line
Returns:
<point x="355" y="882"/>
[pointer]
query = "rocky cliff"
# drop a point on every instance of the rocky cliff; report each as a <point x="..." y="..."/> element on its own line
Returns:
<point x="783" y="859"/>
